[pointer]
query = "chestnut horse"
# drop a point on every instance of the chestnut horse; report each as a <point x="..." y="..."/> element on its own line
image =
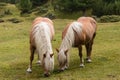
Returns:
<point x="41" y="34"/>
<point x="76" y="34"/>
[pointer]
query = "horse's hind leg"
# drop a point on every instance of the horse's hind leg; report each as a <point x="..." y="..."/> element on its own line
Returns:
<point x="80" y="55"/>
<point x="32" y="50"/>
<point x="89" y="49"/>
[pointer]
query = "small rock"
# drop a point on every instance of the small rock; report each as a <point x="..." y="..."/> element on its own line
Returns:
<point x="1" y="21"/>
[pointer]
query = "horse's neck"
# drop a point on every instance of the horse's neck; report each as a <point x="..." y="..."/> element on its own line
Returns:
<point x="68" y="40"/>
<point x="43" y="41"/>
<point x="46" y="41"/>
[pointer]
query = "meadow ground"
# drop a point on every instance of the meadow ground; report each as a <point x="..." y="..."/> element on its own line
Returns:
<point x="14" y="54"/>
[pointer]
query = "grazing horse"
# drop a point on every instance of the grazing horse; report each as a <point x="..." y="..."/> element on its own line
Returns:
<point x="76" y="34"/>
<point x="41" y="34"/>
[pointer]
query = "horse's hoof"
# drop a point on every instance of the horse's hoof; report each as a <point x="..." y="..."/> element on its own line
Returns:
<point x="47" y="74"/>
<point x="60" y="70"/>
<point x="88" y="60"/>
<point x="29" y="70"/>
<point x="82" y="65"/>
<point x="38" y="62"/>
<point x="65" y="67"/>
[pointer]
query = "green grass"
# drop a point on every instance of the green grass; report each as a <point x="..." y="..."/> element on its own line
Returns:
<point x="14" y="54"/>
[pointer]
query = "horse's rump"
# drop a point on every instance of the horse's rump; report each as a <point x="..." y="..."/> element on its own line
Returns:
<point x="88" y="21"/>
<point x="89" y="26"/>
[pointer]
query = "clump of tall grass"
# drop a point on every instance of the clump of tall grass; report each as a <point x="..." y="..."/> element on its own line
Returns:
<point x="110" y="18"/>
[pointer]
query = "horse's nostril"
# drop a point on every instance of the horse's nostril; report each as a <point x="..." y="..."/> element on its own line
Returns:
<point x="61" y="70"/>
<point x="47" y="74"/>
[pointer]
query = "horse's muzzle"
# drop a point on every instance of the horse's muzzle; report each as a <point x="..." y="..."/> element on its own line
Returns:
<point x="46" y="74"/>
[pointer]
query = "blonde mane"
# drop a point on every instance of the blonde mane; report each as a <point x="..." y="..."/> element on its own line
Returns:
<point x="68" y="40"/>
<point x="41" y="34"/>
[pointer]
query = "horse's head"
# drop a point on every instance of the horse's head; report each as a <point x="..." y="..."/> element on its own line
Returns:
<point x="62" y="58"/>
<point x="48" y="63"/>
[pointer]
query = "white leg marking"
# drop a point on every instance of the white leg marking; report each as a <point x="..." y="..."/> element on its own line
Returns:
<point x="89" y="60"/>
<point x="82" y="65"/>
<point x="65" y="67"/>
<point x="62" y="69"/>
<point x="29" y="70"/>
<point x="38" y="62"/>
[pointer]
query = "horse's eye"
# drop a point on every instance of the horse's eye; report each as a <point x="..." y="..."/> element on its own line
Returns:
<point x="51" y="55"/>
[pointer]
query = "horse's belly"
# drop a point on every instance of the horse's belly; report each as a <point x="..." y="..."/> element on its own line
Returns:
<point x="78" y="42"/>
<point x="82" y="41"/>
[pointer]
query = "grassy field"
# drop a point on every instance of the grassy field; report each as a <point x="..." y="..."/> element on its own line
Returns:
<point x="14" y="54"/>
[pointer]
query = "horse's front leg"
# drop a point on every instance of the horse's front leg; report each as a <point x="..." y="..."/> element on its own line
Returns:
<point x="32" y="50"/>
<point x="38" y="62"/>
<point x="67" y="62"/>
<point x="80" y="55"/>
<point x="64" y="66"/>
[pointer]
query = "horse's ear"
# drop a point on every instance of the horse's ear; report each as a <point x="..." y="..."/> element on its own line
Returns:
<point x="57" y="50"/>
<point x="66" y="52"/>
<point x="44" y="55"/>
<point x="51" y="55"/>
